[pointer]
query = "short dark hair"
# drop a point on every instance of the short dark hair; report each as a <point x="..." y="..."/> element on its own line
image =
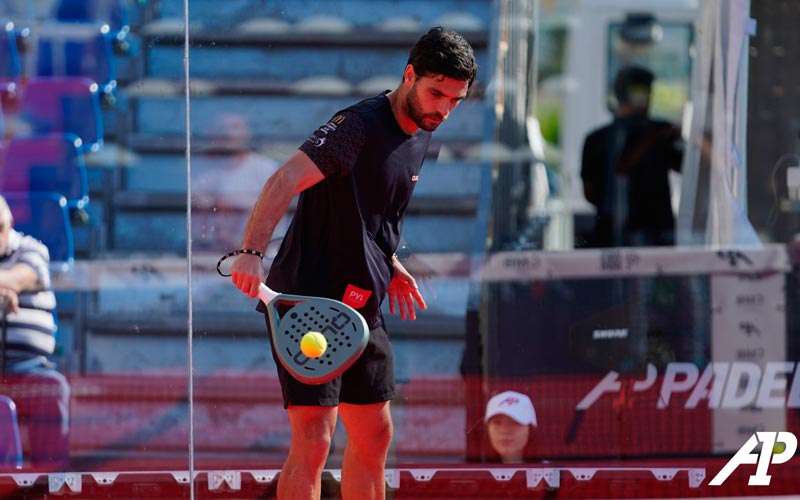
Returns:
<point x="629" y="77"/>
<point x="443" y="52"/>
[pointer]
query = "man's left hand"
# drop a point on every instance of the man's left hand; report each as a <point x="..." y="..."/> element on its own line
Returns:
<point x="9" y="300"/>
<point x="403" y="293"/>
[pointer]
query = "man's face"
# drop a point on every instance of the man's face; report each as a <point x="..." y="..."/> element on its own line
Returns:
<point x="639" y="100"/>
<point x="432" y="97"/>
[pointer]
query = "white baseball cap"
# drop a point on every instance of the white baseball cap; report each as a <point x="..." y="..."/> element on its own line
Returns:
<point x="513" y="404"/>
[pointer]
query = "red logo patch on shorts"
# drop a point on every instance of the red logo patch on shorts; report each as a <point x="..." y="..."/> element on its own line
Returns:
<point x="356" y="297"/>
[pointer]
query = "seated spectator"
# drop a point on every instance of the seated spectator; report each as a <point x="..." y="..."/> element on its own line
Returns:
<point x="29" y="378"/>
<point x="226" y="180"/>
<point x="510" y="419"/>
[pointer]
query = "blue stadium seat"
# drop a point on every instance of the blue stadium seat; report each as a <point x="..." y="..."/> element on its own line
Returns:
<point x="324" y="23"/>
<point x="322" y="85"/>
<point x="356" y="12"/>
<point x="113" y="12"/>
<point x="10" y="64"/>
<point x="377" y="84"/>
<point x="265" y="26"/>
<point x="45" y="217"/>
<point x="78" y="49"/>
<point x="461" y="21"/>
<point x="64" y="105"/>
<point x="276" y="116"/>
<point x="400" y="23"/>
<point x="10" y="445"/>
<point x="52" y="163"/>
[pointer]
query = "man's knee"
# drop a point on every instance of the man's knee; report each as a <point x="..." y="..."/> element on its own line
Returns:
<point x="380" y="435"/>
<point x="371" y="434"/>
<point x="313" y="443"/>
<point x="312" y="433"/>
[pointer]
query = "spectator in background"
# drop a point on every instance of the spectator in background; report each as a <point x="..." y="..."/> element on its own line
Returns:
<point x="625" y="169"/>
<point x="225" y="184"/>
<point x="26" y="317"/>
<point x="510" y="420"/>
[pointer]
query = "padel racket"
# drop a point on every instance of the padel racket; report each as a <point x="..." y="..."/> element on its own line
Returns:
<point x="292" y="316"/>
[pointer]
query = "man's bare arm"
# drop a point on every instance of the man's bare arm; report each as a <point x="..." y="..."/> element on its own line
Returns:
<point x="19" y="278"/>
<point x="13" y="281"/>
<point x="296" y="175"/>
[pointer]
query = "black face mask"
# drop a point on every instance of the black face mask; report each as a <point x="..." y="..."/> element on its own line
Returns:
<point x="639" y="117"/>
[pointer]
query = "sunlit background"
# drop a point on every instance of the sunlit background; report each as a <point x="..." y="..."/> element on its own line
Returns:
<point x="648" y="366"/>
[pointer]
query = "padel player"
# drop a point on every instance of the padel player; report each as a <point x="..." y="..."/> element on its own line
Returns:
<point x="355" y="176"/>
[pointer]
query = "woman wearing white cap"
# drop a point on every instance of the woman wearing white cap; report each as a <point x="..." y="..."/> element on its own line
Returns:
<point x="509" y="419"/>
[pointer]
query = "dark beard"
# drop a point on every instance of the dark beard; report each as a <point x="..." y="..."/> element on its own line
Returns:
<point x="417" y="116"/>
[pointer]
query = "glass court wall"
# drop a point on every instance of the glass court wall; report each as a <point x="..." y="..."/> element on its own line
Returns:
<point x="90" y="170"/>
<point x="633" y="278"/>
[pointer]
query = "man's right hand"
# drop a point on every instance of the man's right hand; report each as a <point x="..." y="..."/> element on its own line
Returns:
<point x="9" y="300"/>
<point x="247" y="274"/>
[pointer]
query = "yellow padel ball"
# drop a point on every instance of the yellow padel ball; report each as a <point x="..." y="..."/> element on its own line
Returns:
<point x="313" y="344"/>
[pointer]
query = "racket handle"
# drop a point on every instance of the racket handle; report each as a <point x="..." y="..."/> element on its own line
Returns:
<point x="266" y="294"/>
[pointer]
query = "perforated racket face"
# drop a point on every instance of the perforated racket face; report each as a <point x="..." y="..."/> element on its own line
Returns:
<point x="344" y="329"/>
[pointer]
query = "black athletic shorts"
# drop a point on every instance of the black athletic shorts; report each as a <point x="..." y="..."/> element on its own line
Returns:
<point x="369" y="380"/>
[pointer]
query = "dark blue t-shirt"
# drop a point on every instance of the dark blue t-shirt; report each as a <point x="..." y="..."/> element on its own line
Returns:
<point x="346" y="227"/>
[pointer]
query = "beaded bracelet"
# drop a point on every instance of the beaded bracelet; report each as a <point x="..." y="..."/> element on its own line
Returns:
<point x="248" y="251"/>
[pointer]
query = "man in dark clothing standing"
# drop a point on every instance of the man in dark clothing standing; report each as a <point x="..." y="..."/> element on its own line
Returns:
<point x="355" y="176"/>
<point x="625" y="169"/>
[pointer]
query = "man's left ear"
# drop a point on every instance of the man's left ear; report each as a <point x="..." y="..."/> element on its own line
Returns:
<point x="409" y="75"/>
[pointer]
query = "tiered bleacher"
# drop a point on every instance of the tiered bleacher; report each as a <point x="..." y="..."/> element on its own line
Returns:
<point x="93" y="163"/>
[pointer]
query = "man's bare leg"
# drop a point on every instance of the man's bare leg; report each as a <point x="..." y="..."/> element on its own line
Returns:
<point x="369" y="434"/>
<point x="312" y="431"/>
